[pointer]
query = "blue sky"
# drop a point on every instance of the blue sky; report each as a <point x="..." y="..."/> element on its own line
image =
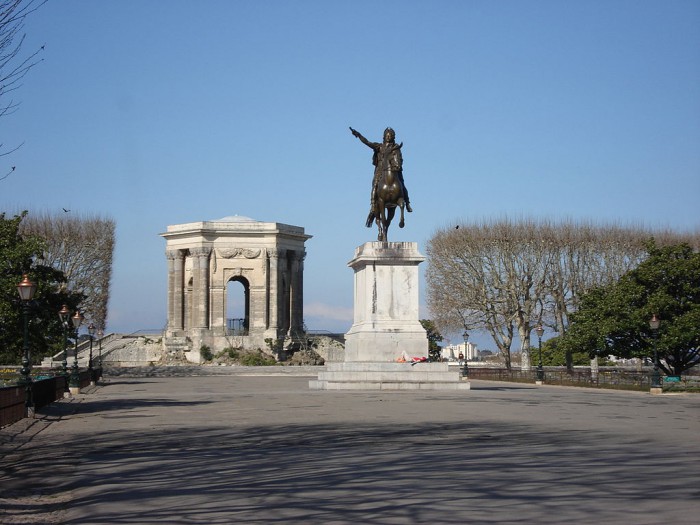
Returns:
<point x="158" y="112"/>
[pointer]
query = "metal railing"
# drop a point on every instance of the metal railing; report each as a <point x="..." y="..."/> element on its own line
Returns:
<point x="236" y="327"/>
<point x="11" y="404"/>
<point x="45" y="390"/>
<point x="616" y="379"/>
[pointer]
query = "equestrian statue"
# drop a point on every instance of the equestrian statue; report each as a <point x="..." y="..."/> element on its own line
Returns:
<point x="388" y="188"/>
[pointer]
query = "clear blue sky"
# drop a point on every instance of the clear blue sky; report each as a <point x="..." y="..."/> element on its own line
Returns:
<point x="158" y="112"/>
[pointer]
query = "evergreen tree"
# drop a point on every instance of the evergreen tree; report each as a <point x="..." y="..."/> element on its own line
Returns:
<point x="434" y="337"/>
<point x="614" y="319"/>
<point x="17" y="255"/>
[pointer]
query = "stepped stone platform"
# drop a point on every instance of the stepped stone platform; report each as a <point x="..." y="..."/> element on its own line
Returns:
<point x="386" y="327"/>
<point x="388" y="376"/>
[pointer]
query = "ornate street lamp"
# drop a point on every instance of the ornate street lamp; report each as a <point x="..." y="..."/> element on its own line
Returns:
<point x="465" y="370"/>
<point x="540" y="371"/>
<point x="91" y="332"/>
<point x="64" y="315"/>
<point x="654" y="323"/>
<point x="26" y="290"/>
<point x="77" y="319"/>
<point x="100" y="335"/>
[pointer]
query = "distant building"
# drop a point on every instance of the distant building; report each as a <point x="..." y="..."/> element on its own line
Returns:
<point x="451" y="352"/>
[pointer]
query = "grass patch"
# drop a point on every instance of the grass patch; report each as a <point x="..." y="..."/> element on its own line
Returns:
<point x="239" y="356"/>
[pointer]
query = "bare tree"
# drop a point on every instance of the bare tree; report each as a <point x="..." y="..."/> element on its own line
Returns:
<point x="589" y="256"/>
<point x="504" y="275"/>
<point x="13" y="66"/>
<point x="82" y="248"/>
<point x="489" y="276"/>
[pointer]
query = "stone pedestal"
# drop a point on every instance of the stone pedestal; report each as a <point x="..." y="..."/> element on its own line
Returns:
<point x="386" y="321"/>
<point x="386" y="327"/>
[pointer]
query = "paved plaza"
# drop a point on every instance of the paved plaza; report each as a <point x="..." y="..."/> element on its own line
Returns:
<point x="259" y="448"/>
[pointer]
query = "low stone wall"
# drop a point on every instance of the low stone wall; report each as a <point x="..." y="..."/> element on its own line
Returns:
<point x="329" y="348"/>
<point x="188" y="370"/>
<point x="144" y="351"/>
<point x="136" y="351"/>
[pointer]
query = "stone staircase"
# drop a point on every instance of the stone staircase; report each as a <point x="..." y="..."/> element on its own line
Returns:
<point x="56" y="360"/>
<point x="117" y="349"/>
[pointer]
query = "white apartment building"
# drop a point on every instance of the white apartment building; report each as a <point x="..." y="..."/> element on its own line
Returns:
<point x="451" y="352"/>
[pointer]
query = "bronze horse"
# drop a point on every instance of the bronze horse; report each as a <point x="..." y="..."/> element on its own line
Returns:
<point x="389" y="196"/>
<point x="388" y="188"/>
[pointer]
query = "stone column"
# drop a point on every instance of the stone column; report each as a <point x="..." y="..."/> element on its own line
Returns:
<point x="296" y="303"/>
<point x="283" y="290"/>
<point x="200" y="287"/>
<point x="272" y="291"/>
<point x="176" y="267"/>
<point x="259" y="299"/>
<point x="292" y="262"/>
<point x="217" y="300"/>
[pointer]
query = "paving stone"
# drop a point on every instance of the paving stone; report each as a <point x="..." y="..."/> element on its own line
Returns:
<point x="260" y="447"/>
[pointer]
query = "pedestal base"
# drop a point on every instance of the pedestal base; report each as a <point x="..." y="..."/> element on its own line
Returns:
<point x="385" y="342"/>
<point x="388" y="376"/>
<point x="386" y="327"/>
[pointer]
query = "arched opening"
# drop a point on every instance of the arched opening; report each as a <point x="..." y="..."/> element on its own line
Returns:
<point x="237" y="306"/>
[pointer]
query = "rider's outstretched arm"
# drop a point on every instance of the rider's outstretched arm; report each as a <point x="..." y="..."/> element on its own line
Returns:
<point x="362" y="139"/>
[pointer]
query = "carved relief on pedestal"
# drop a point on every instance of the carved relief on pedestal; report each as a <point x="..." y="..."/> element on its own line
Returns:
<point x="245" y="253"/>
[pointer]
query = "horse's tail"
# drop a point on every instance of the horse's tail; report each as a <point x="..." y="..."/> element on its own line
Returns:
<point x="370" y="219"/>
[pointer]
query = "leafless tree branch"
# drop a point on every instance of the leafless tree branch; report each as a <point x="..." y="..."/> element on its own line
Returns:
<point x="502" y="276"/>
<point x="82" y="248"/>
<point x="14" y="67"/>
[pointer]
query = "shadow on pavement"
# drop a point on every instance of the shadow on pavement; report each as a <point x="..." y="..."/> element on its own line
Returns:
<point x="97" y="406"/>
<point x="363" y="473"/>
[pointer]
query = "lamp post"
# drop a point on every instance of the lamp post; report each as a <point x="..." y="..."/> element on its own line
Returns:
<point x="540" y="370"/>
<point x="91" y="332"/>
<point x="100" y="335"/>
<point x="654" y="323"/>
<point x="64" y="315"/>
<point x="75" y="372"/>
<point x="465" y="370"/>
<point x="26" y="290"/>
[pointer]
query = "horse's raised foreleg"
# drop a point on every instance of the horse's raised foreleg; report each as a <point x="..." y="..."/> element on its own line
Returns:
<point x="381" y="221"/>
<point x="401" y="205"/>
